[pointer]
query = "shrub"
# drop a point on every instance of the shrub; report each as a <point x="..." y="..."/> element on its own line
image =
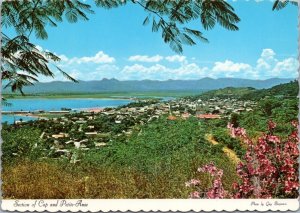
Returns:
<point x="270" y="169"/>
<point x="222" y="136"/>
<point x="20" y="143"/>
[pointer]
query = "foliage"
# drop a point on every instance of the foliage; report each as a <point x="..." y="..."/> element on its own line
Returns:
<point x="23" y="61"/>
<point x="280" y="4"/>
<point x="162" y="147"/>
<point x="155" y="145"/>
<point x="222" y="136"/>
<point x="234" y="119"/>
<point x="20" y="143"/>
<point x="151" y="163"/>
<point x="270" y="169"/>
<point x="58" y="180"/>
<point x="216" y="190"/>
<point x="281" y="111"/>
<point x="167" y="16"/>
<point x="228" y="92"/>
<point x="288" y="90"/>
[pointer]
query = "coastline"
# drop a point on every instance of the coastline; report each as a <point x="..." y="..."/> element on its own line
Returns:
<point x="49" y="98"/>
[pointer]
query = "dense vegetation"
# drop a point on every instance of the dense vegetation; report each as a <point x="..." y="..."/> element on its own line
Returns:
<point x="156" y="161"/>
<point x="141" y="157"/>
<point x="228" y="92"/>
<point x="284" y="90"/>
<point x="288" y="90"/>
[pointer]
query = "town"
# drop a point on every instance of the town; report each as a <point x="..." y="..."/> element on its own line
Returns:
<point x="69" y="132"/>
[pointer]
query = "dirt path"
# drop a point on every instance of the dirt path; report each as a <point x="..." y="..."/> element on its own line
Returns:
<point x="230" y="153"/>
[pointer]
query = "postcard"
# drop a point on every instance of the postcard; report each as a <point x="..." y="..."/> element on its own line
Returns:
<point x="149" y="105"/>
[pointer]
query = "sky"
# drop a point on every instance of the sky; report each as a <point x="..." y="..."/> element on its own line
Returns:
<point x="115" y="44"/>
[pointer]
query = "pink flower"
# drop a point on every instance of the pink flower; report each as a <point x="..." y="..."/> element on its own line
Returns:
<point x="271" y="125"/>
<point x="295" y="123"/>
<point x="195" y="182"/>
<point x="195" y="194"/>
<point x="269" y="168"/>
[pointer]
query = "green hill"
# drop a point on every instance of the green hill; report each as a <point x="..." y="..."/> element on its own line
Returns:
<point x="288" y="90"/>
<point x="228" y="92"/>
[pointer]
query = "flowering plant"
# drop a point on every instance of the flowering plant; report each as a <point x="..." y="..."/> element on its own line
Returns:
<point x="216" y="191"/>
<point x="269" y="168"/>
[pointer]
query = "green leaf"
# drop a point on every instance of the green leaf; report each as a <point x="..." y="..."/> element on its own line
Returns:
<point x="67" y="75"/>
<point x="146" y="21"/>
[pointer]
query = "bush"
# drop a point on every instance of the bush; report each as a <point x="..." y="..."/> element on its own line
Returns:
<point x="222" y="136"/>
<point x="20" y="143"/>
<point x="270" y="169"/>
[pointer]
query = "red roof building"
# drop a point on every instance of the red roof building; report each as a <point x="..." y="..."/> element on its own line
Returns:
<point x="172" y="117"/>
<point x="185" y="115"/>
<point x="208" y="116"/>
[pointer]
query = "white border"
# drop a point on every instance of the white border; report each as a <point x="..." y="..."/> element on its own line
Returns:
<point x="135" y="205"/>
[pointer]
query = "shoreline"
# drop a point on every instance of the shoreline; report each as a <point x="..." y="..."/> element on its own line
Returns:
<point x="47" y="98"/>
<point x="108" y="96"/>
<point x="31" y="114"/>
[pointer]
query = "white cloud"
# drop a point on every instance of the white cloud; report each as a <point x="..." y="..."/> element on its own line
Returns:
<point x="161" y="72"/>
<point x="63" y="58"/>
<point x="99" y="58"/>
<point x="39" y="47"/>
<point x="262" y="64"/>
<point x="230" y="69"/>
<point x="140" y="68"/>
<point x="268" y="65"/>
<point x="230" y="66"/>
<point x="287" y="65"/>
<point x="267" y="60"/>
<point x="176" y="58"/>
<point x="100" y="66"/>
<point x="145" y="58"/>
<point x="268" y="54"/>
<point x="157" y="58"/>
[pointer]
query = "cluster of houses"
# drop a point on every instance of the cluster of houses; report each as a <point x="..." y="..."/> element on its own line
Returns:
<point x="216" y="106"/>
<point x="92" y="136"/>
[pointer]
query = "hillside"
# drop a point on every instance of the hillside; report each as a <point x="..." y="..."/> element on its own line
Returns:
<point x="227" y="92"/>
<point x="113" y="85"/>
<point x="288" y="90"/>
<point x="249" y="93"/>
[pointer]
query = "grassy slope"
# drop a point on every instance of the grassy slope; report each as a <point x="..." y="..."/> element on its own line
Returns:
<point x="154" y="163"/>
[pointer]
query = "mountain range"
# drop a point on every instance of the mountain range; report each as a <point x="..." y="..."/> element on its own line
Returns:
<point x="114" y="85"/>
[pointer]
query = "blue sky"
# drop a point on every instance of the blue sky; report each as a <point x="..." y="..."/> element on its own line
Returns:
<point x="115" y="44"/>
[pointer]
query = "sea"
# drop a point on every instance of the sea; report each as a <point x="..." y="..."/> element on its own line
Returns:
<point x="56" y="104"/>
<point x="76" y="104"/>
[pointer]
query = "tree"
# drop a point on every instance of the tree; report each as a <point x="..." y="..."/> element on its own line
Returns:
<point x="234" y="119"/>
<point x="267" y="105"/>
<point x="23" y="61"/>
<point x="280" y="4"/>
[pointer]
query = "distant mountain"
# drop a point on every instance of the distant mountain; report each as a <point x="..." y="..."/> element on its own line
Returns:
<point x="114" y="85"/>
